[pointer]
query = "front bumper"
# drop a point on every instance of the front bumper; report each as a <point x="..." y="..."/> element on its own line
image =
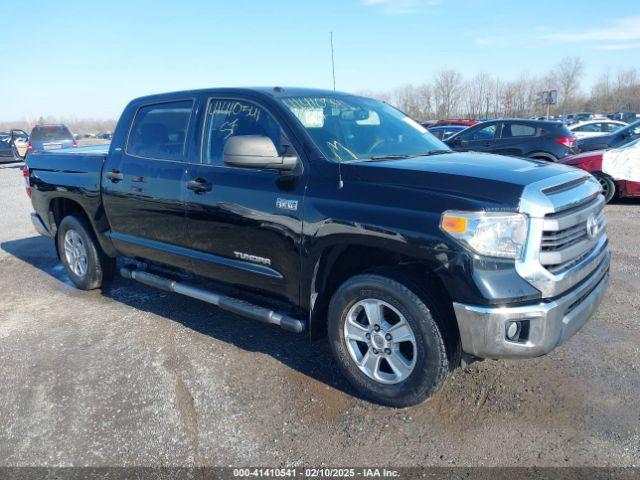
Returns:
<point x="483" y="331"/>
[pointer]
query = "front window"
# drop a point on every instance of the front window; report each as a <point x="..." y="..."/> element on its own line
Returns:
<point x="347" y="128"/>
<point x="481" y="133"/>
<point x="227" y="118"/>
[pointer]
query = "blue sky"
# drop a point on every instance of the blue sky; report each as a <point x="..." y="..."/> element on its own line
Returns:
<point x="80" y="58"/>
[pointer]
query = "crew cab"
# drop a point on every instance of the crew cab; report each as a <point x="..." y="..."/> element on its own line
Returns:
<point x="330" y="213"/>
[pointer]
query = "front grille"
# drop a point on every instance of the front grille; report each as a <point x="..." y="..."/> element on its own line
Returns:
<point x="565" y="237"/>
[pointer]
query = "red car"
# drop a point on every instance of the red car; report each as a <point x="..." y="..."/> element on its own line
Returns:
<point x="592" y="162"/>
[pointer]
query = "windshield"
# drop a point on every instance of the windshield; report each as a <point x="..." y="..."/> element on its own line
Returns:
<point x="632" y="127"/>
<point x="347" y="128"/>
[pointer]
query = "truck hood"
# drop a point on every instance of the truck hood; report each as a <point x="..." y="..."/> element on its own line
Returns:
<point x="491" y="179"/>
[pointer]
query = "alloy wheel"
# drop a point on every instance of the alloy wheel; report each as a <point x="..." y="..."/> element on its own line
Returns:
<point x="380" y="341"/>
<point x="75" y="253"/>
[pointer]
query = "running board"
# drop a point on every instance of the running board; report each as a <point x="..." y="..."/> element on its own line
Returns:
<point x="230" y="304"/>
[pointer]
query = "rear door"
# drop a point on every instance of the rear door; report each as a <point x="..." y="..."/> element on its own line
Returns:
<point x="516" y="139"/>
<point x="143" y="183"/>
<point x="245" y="224"/>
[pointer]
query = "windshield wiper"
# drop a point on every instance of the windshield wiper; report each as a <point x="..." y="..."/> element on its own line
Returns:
<point x="386" y="157"/>
<point x="435" y="152"/>
<point x="406" y="155"/>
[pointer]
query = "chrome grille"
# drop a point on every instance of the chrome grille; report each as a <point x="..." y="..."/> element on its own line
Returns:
<point x="565" y="237"/>
<point x="560" y="253"/>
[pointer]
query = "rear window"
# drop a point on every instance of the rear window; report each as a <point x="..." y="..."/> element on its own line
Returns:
<point x="518" y="130"/>
<point x="159" y="131"/>
<point x="50" y="132"/>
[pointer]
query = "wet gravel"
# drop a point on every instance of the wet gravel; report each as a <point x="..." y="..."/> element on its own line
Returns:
<point x="129" y="375"/>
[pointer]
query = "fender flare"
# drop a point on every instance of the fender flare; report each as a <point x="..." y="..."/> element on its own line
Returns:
<point x="543" y="156"/>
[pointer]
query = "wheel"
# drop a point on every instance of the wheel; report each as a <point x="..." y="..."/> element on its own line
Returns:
<point x="84" y="261"/>
<point x="386" y="340"/>
<point x="607" y="184"/>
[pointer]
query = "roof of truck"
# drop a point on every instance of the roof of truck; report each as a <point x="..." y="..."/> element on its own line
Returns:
<point x="274" y="92"/>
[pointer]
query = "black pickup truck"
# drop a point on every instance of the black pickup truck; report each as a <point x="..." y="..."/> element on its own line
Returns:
<point x="329" y="213"/>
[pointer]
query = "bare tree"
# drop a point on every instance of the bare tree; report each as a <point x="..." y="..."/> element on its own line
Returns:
<point x="447" y="92"/>
<point x="567" y="75"/>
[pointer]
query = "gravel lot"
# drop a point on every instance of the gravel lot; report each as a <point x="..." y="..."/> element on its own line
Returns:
<point x="135" y="376"/>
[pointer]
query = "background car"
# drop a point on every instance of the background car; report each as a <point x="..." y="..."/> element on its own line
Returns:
<point x="10" y="142"/>
<point x="592" y="163"/>
<point x="6" y="148"/>
<point x="579" y="117"/>
<point x="614" y="139"/>
<point x="50" y="137"/>
<point x="104" y="136"/>
<point x="627" y="117"/>
<point x="445" y="131"/>
<point x="542" y="140"/>
<point x="594" y="128"/>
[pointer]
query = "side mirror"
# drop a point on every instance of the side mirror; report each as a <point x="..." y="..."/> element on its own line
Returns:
<point x="255" y="151"/>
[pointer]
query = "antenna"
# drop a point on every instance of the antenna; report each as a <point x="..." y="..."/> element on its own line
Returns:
<point x="333" y="75"/>
<point x="333" y="67"/>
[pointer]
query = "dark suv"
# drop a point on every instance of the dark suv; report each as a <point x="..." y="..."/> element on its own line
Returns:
<point x="543" y="140"/>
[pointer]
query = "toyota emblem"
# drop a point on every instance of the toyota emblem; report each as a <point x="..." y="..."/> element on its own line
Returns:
<point x="592" y="227"/>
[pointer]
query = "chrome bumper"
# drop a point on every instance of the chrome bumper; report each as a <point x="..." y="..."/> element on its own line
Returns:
<point x="483" y="330"/>
<point x="38" y="224"/>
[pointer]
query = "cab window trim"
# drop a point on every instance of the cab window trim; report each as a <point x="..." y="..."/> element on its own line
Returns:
<point x="188" y="130"/>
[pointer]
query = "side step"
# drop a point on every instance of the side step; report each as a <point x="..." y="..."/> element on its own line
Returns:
<point x="230" y="304"/>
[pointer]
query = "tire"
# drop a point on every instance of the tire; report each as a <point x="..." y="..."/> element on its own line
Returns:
<point x="607" y="184"/>
<point x="84" y="261"/>
<point x="426" y="365"/>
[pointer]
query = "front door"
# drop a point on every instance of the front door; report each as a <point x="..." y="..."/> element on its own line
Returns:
<point x="245" y="224"/>
<point x="480" y="138"/>
<point x="143" y="184"/>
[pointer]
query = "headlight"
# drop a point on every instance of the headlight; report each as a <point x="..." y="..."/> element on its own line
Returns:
<point x="494" y="234"/>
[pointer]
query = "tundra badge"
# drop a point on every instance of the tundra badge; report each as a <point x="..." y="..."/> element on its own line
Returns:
<point x="252" y="258"/>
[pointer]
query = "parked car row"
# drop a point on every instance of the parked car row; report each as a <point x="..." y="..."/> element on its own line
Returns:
<point x="15" y="144"/>
<point x="586" y="145"/>
<point x="594" y="128"/>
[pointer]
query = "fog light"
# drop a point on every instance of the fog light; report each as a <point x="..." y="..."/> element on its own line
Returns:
<point x="513" y="329"/>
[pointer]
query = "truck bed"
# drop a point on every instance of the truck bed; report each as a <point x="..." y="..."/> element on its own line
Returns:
<point x="71" y="174"/>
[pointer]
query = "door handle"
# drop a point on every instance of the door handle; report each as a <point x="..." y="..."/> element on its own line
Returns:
<point x="115" y="176"/>
<point x="199" y="185"/>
